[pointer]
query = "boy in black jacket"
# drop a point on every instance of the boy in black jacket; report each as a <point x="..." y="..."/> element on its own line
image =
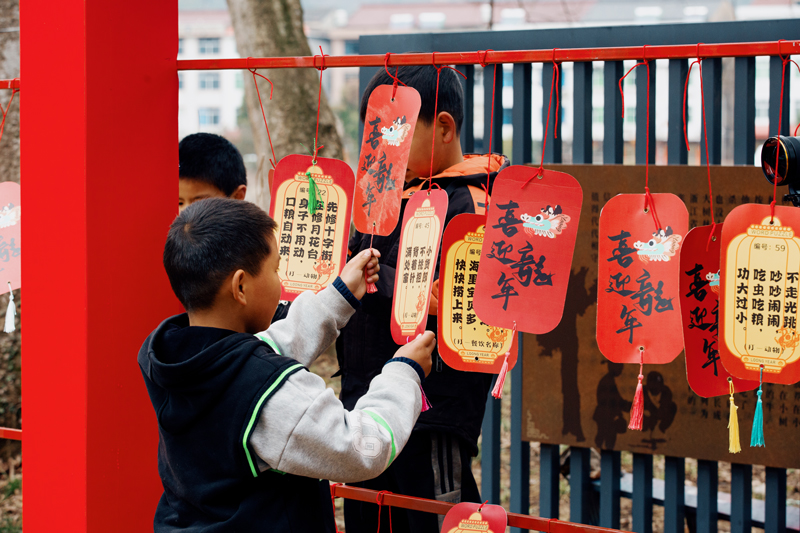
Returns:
<point x="436" y="462"/>
<point x="245" y="432"/>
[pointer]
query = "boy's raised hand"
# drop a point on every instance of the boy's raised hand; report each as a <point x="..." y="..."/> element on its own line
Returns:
<point x="420" y="350"/>
<point x="353" y="272"/>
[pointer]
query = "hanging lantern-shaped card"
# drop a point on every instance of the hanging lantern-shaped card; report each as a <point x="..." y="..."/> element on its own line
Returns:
<point x="465" y="342"/>
<point x="420" y="237"/>
<point x="760" y="280"/>
<point x="530" y="238"/>
<point x="10" y="237"/>
<point x="311" y="203"/>
<point x="388" y="130"/>
<point x="638" y="319"/>
<point x="699" y="299"/>
<point x="469" y="517"/>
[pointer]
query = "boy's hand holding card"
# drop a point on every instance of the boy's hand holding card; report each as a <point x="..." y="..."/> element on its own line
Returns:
<point x="353" y="273"/>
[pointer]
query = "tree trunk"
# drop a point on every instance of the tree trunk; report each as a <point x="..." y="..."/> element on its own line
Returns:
<point x="9" y="69"/>
<point x="267" y="28"/>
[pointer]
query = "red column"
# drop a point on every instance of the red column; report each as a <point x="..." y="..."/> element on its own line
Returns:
<point x="99" y="185"/>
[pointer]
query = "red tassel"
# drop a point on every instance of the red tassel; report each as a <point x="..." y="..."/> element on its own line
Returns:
<point x="425" y="403"/>
<point x="371" y="288"/>
<point x="637" y="409"/>
<point x="497" y="391"/>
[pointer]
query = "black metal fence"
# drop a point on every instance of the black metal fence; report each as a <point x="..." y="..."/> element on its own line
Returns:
<point x="705" y="506"/>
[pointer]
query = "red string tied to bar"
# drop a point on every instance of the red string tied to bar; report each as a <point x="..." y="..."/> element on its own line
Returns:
<point x="554" y="83"/>
<point x="8" y="108"/>
<point x="320" y="68"/>
<point x="379" y="500"/>
<point x="491" y="128"/>
<point x="784" y="61"/>
<point x="371" y="288"/>
<point x="699" y="64"/>
<point x="394" y="77"/>
<point x="274" y="160"/>
<point x="436" y="111"/>
<point x="649" y="203"/>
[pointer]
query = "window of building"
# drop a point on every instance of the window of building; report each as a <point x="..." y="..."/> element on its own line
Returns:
<point x="351" y="48"/>
<point x="208" y="116"/>
<point x="209" y="81"/>
<point x="180" y="46"/>
<point x="209" y="45"/>
<point x="239" y="80"/>
<point x="180" y="80"/>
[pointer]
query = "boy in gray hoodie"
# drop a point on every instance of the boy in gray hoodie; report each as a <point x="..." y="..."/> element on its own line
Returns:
<point x="245" y="432"/>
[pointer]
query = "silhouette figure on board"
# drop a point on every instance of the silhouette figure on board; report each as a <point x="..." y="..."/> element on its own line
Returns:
<point x="611" y="408"/>
<point x="565" y="338"/>
<point x="659" y="409"/>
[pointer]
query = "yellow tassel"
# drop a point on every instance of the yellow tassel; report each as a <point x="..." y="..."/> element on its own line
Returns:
<point x="734" y="446"/>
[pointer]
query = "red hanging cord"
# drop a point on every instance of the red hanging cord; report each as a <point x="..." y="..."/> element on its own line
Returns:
<point x="649" y="204"/>
<point x="491" y="128"/>
<point x="379" y="501"/>
<point x="785" y="61"/>
<point x="6" y="110"/>
<point x="395" y="78"/>
<point x="555" y="85"/>
<point x="319" y="102"/>
<point x="698" y="61"/>
<point x="436" y="111"/>
<point x="274" y="160"/>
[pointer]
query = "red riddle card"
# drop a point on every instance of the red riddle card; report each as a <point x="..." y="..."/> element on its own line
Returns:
<point x="420" y="237"/>
<point x="469" y="517"/>
<point x="10" y="240"/>
<point x="388" y="131"/>
<point x="760" y="281"/>
<point x="465" y="342"/>
<point x="638" y="315"/>
<point x="699" y="299"/>
<point x="527" y="256"/>
<point x="312" y="246"/>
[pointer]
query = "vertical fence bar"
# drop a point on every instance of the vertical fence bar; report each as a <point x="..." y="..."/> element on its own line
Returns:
<point x="610" y="473"/>
<point x="521" y="149"/>
<point x="612" y="113"/>
<point x="468" y="127"/>
<point x="490" y="451"/>
<point x="676" y="147"/>
<point x="497" y="136"/>
<point x="553" y="149"/>
<point x="642" y="112"/>
<point x="744" y="111"/>
<point x="582" y="112"/>
<point x="642" y="500"/>
<point x="580" y="485"/>
<point x="712" y="95"/>
<point x="520" y="450"/>
<point x="775" y="105"/>
<point x="674" y="480"/>
<point x="707" y="478"/>
<point x="549" y="468"/>
<point x="775" y="501"/>
<point x="741" y="495"/>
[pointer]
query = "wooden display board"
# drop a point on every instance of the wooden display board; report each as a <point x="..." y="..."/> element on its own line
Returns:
<point x="573" y="396"/>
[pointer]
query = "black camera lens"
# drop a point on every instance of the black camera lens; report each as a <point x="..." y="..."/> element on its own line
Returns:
<point x="786" y="151"/>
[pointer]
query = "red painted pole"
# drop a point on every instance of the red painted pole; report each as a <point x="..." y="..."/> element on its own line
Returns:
<point x="100" y="161"/>
<point x="9" y="84"/>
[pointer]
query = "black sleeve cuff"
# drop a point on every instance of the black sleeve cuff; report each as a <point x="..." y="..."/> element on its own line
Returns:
<point x="413" y="364"/>
<point x="345" y="292"/>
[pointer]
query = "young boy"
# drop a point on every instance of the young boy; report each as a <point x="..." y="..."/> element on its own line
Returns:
<point x="245" y="432"/>
<point x="209" y="167"/>
<point x="436" y="462"/>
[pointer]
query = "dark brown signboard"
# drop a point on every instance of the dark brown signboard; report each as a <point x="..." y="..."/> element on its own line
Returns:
<point x="573" y="395"/>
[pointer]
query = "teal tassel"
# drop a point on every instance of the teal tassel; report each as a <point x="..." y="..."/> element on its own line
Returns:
<point x="313" y="194"/>
<point x="757" y="436"/>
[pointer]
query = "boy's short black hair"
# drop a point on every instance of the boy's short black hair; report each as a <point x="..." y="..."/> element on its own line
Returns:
<point x="213" y="159"/>
<point x="423" y="79"/>
<point x="208" y="241"/>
